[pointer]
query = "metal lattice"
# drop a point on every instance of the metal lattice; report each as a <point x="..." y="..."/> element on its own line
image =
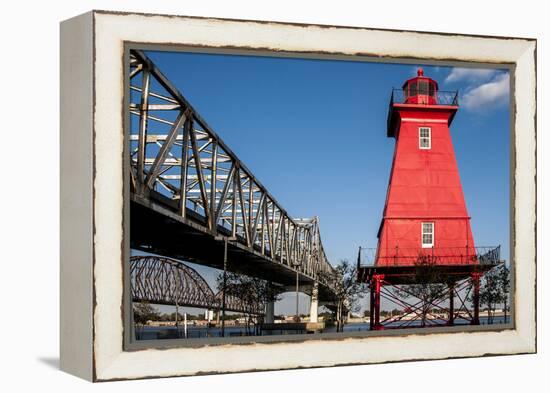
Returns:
<point x="160" y="280"/>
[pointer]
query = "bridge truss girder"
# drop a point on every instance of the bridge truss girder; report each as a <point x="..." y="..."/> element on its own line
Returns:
<point x="179" y="164"/>
<point x="160" y="280"/>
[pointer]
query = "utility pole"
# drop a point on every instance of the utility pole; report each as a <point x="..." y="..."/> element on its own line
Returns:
<point x="185" y="324"/>
<point x="176" y="321"/>
<point x="224" y="284"/>
<point x="296" y="265"/>
<point x="177" y="307"/>
<point x="297" y="298"/>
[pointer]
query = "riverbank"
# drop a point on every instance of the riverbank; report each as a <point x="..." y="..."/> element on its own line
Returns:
<point x="180" y="332"/>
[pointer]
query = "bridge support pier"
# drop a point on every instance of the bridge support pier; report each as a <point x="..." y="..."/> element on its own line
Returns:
<point x="314" y="305"/>
<point x="270" y="312"/>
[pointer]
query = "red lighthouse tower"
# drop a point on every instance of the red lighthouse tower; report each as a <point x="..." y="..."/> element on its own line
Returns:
<point x="425" y="210"/>
<point x="425" y="224"/>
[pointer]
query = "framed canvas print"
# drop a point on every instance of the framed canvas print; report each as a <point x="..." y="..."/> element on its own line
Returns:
<point x="245" y="195"/>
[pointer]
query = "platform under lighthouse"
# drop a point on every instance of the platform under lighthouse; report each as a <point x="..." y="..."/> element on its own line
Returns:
<point x="425" y="237"/>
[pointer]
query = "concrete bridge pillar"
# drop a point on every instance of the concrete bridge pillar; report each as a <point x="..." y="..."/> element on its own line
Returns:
<point x="270" y="312"/>
<point x="314" y="306"/>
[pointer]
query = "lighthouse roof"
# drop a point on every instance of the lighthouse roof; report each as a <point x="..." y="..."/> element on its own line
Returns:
<point x="420" y="77"/>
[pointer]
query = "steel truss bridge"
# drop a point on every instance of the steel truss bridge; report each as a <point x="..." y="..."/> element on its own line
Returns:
<point x="189" y="193"/>
<point x="160" y="280"/>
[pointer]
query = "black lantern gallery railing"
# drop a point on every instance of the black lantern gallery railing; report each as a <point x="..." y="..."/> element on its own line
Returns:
<point x="400" y="96"/>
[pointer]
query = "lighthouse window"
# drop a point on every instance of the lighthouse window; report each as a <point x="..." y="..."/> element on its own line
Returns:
<point x="423" y="88"/>
<point x="425" y="137"/>
<point x="427" y="234"/>
<point x="412" y="89"/>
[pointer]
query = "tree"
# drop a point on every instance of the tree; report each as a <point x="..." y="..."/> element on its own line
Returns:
<point x="427" y="287"/>
<point x="347" y="289"/>
<point x="494" y="289"/>
<point x="144" y="312"/>
<point x="396" y="311"/>
<point x="252" y="294"/>
<point x="326" y="315"/>
<point x="504" y="279"/>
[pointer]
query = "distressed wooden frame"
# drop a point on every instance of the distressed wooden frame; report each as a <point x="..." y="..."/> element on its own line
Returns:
<point x="92" y="198"/>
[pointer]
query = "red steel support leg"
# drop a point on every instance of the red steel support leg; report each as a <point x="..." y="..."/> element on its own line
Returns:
<point x="371" y="325"/>
<point x="377" y="285"/>
<point x="451" y="320"/>
<point x="475" y="283"/>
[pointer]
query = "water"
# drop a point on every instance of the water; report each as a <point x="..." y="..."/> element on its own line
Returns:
<point x="364" y="326"/>
<point x="171" y="332"/>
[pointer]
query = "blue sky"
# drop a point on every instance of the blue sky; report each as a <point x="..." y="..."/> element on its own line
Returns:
<point x="314" y="133"/>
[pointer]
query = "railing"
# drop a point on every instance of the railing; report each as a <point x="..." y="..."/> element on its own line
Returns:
<point x="396" y="256"/>
<point x="400" y="96"/>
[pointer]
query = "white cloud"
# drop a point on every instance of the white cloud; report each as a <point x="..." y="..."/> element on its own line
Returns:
<point x="488" y="95"/>
<point x="470" y="74"/>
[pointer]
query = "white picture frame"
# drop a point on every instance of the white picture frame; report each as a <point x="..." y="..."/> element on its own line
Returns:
<point x="92" y="202"/>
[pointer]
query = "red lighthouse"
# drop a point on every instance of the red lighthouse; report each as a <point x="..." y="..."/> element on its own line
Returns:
<point x="425" y="219"/>
<point x="425" y="211"/>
